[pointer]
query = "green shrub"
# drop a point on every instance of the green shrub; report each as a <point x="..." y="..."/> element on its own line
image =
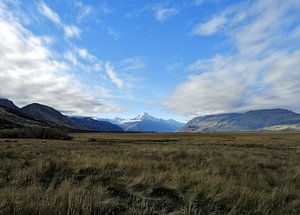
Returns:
<point x="10" y="133"/>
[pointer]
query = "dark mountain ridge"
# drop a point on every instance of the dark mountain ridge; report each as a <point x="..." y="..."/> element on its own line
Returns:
<point x="10" y="118"/>
<point x="41" y="115"/>
<point x="50" y="116"/>
<point x="96" y="125"/>
<point x="13" y="109"/>
<point x="8" y="104"/>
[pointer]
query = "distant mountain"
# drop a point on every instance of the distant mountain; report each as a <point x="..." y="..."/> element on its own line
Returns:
<point x="147" y="123"/>
<point x="45" y="116"/>
<point x="97" y="125"/>
<point x="50" y="116"/>
<point x="117" y="120"/>
<point x="249" y="121"/>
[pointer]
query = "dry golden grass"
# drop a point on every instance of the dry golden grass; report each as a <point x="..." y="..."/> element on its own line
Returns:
<point x="107" y="173"/>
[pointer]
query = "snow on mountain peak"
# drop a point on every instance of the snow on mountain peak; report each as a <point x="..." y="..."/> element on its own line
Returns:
<point x="143" y="115"/>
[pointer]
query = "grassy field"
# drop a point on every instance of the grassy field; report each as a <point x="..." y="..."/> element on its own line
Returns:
<point x="106" y="173"/>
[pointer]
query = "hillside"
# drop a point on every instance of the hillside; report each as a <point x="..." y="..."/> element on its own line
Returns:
<point x="8" y="104"/>
<point x="284" y="127"/>
<point x="10" y="119"/>
<point x="50" y="116"/>
<point x="32" y="115"/>
<point x="97" y="125"/>
<point x="249" y="121"/>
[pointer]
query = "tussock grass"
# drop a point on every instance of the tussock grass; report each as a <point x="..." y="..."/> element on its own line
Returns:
<point x="106" y="173"/>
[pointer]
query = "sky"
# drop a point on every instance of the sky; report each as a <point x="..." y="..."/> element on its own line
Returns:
<point x="171" y="58"/>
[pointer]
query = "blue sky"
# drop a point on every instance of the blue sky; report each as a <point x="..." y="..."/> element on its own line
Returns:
<point x="173" y="59"/>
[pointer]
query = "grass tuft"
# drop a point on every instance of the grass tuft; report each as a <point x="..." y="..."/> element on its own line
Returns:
<point x="253" y="173"/>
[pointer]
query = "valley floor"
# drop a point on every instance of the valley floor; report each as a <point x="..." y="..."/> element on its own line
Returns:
<point x="138" y="173"/>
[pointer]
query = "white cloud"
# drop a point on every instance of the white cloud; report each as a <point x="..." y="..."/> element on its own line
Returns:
<point x="163" y="13"/>
<point x="103" y="92"/>
<point x="71" y="58"/>
<point x="86" y="55"/>
<point x="69" y="30"/>
<point x="228" y="18"/>
<point x="131" y="71"/>
<point x="263" y="72"/>
<point x="204" y="65"/>
<point x="47" y="12"/>
<point x="113" y="75"/>
<point x="83" y="61"/>
<point x="31" y="72"/>
<point x="132" y="64"/>
<point x="210" y="27"/>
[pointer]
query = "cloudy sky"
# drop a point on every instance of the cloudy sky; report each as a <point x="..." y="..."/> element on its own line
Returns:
<point x="171" y="58"/>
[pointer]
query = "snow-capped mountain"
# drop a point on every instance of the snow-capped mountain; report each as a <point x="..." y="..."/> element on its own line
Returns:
<point x="147" y="123"/>
<point x="144" y="116"/>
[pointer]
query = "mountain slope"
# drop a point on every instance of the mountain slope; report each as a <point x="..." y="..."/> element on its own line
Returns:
<point x="251" y="120"/>
<point x="9" y="119"/>
<point x="8" y="104"/>
<point x="12" y="108"/>
<point x="50" y="116"/>
<point x="284" y="127"/>
<point x="147" y="123"/>
<point x="40" y="115"/>
<point x="97" y="125"/>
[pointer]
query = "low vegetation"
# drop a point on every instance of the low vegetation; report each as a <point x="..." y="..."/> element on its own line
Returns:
<point x="106" y="173"/>
<point x="35" y="132"/>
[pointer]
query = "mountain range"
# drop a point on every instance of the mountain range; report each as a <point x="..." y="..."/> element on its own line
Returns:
<point x="97" y="125"/>
<point x="39" y="115"/>
<point x="144" y="122"/>
<point x="270" y="119"/>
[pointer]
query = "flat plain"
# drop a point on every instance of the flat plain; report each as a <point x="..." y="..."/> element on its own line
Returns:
<point x="152" y="173"/>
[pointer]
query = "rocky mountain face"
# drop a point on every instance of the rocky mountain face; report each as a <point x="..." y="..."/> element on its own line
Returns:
<point x="147" y="123"/>
<point x="249" y="121"/>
